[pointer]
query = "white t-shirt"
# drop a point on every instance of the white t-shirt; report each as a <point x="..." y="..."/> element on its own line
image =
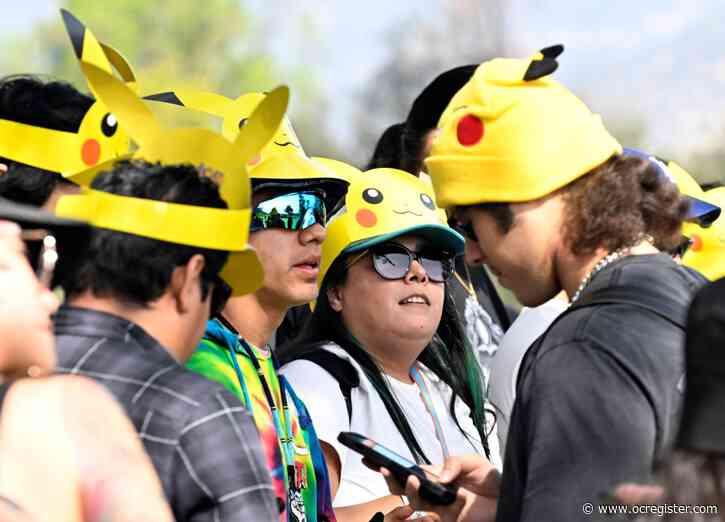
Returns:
<point x="528" y="326"/>
<point x="321" y="394"/>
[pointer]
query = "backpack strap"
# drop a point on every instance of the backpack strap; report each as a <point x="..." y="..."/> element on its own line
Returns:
<point x="344" y="373"/>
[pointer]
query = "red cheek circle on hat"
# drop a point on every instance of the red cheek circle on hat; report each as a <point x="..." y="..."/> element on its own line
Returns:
<point x="256" y="159"/>
<point x="696" y="243"/>
<point x="470" y="130"/>
<point x="90" y="152"/>
<point x="366" y="218"/>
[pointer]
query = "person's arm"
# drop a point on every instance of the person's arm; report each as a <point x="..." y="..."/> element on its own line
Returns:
<point x="220" y="471"/>
<point x="589" y="427"/>
<point x="69" y="453"/>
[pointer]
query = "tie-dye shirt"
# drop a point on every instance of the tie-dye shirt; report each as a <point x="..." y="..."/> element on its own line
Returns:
<point x="307" y="497"/>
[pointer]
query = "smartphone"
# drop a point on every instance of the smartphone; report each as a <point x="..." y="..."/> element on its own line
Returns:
<point x="400" y="467"/>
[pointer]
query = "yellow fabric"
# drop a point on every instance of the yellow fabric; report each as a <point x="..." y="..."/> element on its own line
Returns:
<point x="707" y="253"/>
<point x="537" y="138"/>
<point x="401" y="207"/>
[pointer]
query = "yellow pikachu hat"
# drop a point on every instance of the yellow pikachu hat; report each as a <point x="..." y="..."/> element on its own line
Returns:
<point x="513" y="134"/>
<point x="282" y="163"/>
<point x="220" y="229"/>
<point x="98" y="138"/>
<point x="707" y="253"/>
<point x="382" y="204"/>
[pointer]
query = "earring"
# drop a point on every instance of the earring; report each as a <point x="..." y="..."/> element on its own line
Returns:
<point x="35" y="371"/>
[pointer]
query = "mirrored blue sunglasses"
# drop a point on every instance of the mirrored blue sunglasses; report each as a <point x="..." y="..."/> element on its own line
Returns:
<point x="291" y="211"/>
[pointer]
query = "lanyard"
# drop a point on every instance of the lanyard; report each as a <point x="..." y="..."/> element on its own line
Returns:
<point x="284" y="437"/>
<point x="427" y="397"/>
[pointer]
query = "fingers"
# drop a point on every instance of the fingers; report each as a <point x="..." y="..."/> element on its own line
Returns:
<point x="399" y="513"/>
<point x="633" y="494"/>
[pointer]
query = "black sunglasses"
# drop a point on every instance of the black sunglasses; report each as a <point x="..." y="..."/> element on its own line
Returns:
<point x="465" y="229"/>
<point x="220" y="294"/>
<point x="393" y="261"/>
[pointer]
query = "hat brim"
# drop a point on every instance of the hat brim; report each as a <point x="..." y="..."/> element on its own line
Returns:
<point x="702" y="212"/>
<point x="32" y="217"/>
<point x="441" y="236"/>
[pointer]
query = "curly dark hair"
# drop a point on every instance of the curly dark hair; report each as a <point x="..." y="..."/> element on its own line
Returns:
<point x="618" y="203"/>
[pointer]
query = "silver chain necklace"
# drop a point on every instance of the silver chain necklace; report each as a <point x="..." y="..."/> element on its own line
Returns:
<point x="601" y="265"/>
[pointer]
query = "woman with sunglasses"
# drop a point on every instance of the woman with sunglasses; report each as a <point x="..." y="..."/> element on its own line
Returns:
<point x="384" y="311"/>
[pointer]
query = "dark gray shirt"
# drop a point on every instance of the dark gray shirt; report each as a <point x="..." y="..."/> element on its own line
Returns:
<point x="598" y="397"/>
<point x="203" y="442"/>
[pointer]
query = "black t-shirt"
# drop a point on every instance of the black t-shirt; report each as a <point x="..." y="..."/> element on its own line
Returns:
<point x="598" y="397"/>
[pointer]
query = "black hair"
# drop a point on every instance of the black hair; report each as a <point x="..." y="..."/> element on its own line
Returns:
<point x="448" y="356"/>
<point x="133" y="269"/>
<point x="425" y="112"/>
<point x="51" y="104"/>
<point x="388" y="151"/>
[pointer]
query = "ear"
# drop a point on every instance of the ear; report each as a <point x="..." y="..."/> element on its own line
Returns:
<point x="200" y="101"/>
<point x="262" y="125"/>
<point x="544" y="66"/>
<point x="185" y="286"/>
<point x="334" y="296"/>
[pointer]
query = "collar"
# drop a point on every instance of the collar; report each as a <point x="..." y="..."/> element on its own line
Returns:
<point x="86" y="322"/>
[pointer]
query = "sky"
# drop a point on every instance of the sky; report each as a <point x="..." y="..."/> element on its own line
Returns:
<point x="662" y="62"/>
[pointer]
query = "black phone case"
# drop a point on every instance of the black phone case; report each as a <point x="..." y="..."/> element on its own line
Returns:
<point x="429" y="490"/>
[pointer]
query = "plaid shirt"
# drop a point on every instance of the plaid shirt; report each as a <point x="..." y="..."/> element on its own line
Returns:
<point x="202" y="441"/>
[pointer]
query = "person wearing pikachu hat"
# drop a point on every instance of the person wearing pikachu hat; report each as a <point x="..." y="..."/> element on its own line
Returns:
<point x="706" y="251"/>
<point x="292" y="195"/>
<point x="384" y="319"/>
<point x="169" y="246"/>
<point x="549" y="203"/>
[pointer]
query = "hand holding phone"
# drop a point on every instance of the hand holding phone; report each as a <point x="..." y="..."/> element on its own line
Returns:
<point x="400" y="467"/>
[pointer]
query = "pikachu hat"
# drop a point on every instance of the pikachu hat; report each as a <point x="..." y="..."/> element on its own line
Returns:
<point x="513" y="134"/>
<point x="701" y="213"/>
<point x="212" y="228"/>
<point x="98" y="138"/>
<point x="283" y="162"/>
<point x="707" y="253"/>
<point x="382" y="204"/>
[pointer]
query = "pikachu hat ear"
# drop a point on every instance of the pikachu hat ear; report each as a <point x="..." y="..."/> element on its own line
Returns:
<point x="543" y="63"/>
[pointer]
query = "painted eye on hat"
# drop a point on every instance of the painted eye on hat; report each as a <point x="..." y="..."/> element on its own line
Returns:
<point x="372" y="196"/>
<point x="109" y="125"/>
<point x="427" y="201"/>
<point x="470" y="130"/>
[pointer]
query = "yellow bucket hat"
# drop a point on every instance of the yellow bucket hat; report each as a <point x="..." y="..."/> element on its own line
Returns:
<point x="513" y="134"/>
<point x="99" y="137"/>
<point x="707" y="253"/>
<point x="382" y="204"/>
<point x="282" y="162"/>
<point x="223" y="160"/>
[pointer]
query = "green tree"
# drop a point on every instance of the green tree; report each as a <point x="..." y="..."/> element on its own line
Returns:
<point x="217" y="45"/>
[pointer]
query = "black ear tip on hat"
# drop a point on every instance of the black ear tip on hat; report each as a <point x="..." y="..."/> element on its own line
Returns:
<point x="540" y="68"/>
<point x="166" y="97"/>
<point x="76" y="31"/>
<point x="552" y="51"/>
